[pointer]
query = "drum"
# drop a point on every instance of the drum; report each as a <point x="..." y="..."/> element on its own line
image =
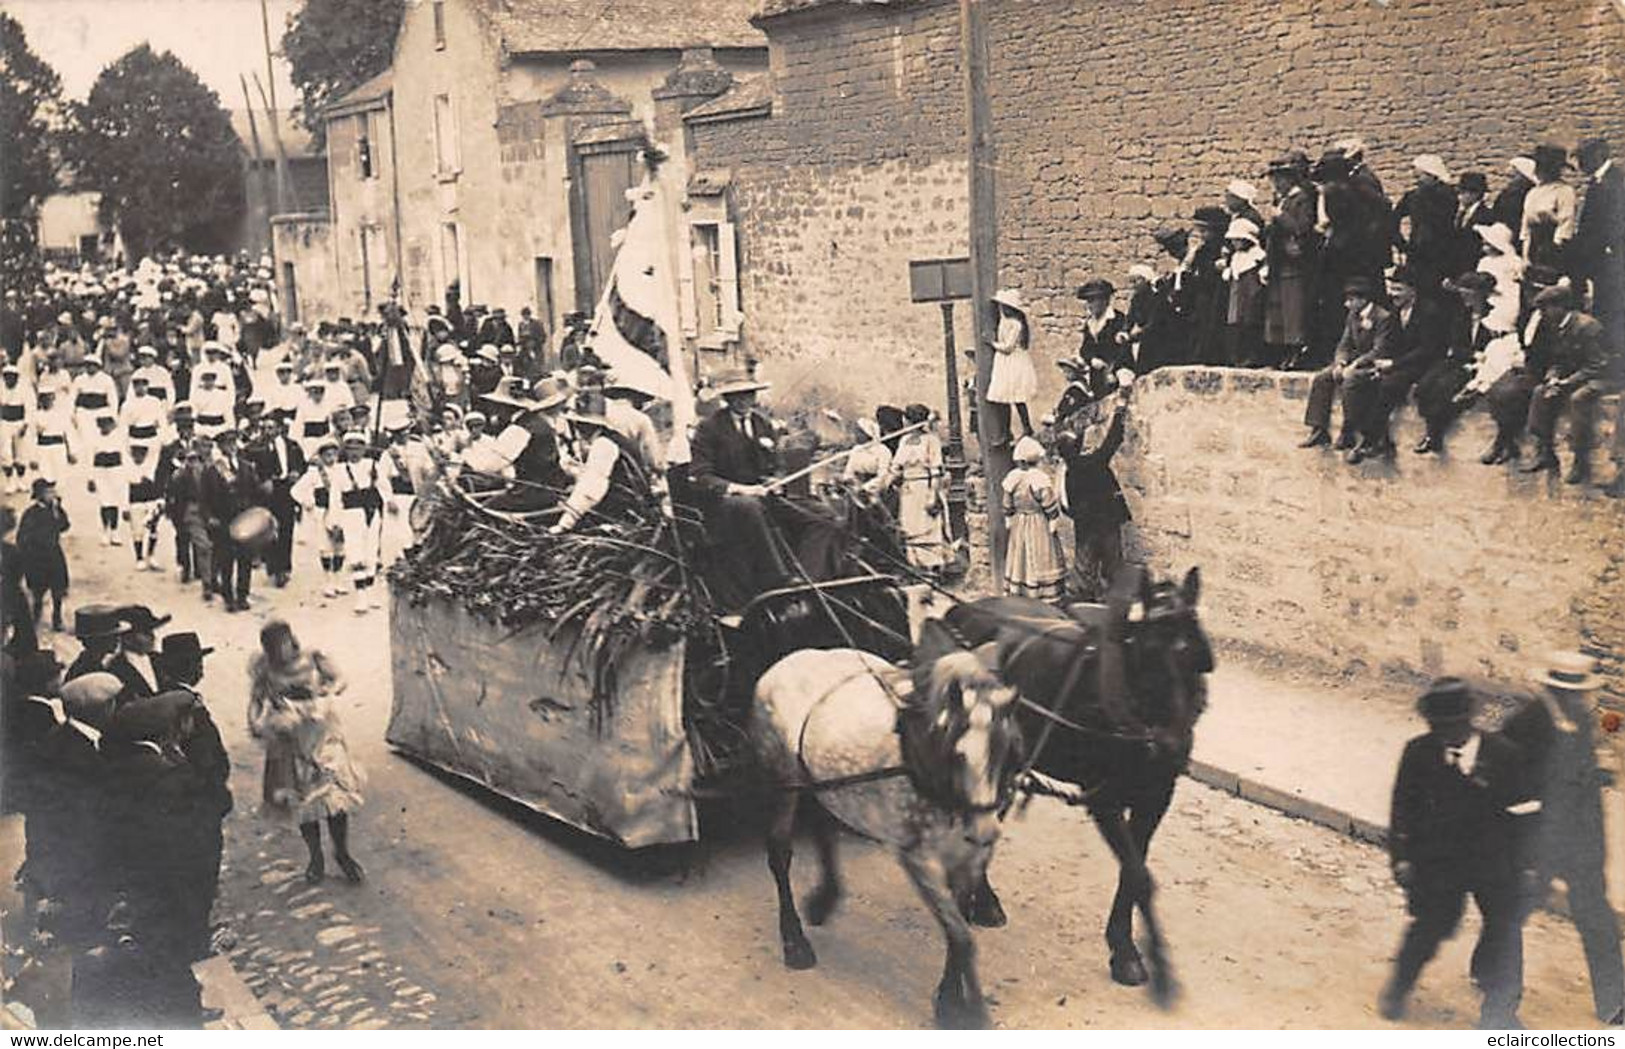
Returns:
<point x="254" y="528"/>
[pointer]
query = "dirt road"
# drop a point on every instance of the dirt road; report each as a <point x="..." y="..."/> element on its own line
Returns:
<point x="477" y="913"/>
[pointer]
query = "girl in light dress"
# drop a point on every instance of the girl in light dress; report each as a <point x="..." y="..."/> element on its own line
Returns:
<point x="1014" y="380"/>
<point x="1034" y="562"/>
<point x="919" y="472"/>
<point x="309" y="775"/>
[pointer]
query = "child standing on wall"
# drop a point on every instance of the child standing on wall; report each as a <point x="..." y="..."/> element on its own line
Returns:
<point x="1034" y="564"/>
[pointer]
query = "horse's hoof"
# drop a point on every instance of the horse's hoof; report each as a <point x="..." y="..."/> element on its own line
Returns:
<point x="1164" y="990"/>
<point x="987" y="912"/>
<point x="1129" y="970"/>
<point x="820" y="904"/>
<point x="799" y="955"/>
<point x="959" y="1016"/>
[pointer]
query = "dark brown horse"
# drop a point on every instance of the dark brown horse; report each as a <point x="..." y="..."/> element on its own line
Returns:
<point x="1110" y="699"/>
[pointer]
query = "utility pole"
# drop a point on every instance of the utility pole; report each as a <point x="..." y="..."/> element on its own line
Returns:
<point x="270" y="86"/>
<point x="993" y="437"/>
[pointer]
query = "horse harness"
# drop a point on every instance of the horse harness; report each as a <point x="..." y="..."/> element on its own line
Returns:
<point x="815" y="785"/>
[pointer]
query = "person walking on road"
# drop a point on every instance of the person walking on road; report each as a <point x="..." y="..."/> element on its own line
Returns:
<point x="1452" y="833"/>
<point x="309" y="774"/>
<point x="1555" y="731"/>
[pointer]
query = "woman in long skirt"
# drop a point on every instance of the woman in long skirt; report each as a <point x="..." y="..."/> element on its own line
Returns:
<point x="1014" y="380"/>
<point x="1034" y="565"/>
<point x="922" y="513"/>
<point x="309" y="775"/>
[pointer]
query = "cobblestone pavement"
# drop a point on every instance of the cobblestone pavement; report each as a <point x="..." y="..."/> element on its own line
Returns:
<point x="478" y="913"/>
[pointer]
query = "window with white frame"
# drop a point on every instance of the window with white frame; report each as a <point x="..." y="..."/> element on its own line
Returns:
<point x="708" y="273"/>
<point x="445" y="136"/>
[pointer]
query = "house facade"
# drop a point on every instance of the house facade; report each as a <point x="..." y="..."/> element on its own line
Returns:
<point x="1110" y="119"/>
<point x="500" y="145"/>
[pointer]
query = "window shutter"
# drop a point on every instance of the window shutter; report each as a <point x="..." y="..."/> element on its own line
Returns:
<point x="687" y="312"/>
<point x="728" y="279"/>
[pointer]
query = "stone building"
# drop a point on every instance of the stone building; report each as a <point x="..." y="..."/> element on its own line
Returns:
<point x="499" y="147"/>
<point x="849" y="159"/>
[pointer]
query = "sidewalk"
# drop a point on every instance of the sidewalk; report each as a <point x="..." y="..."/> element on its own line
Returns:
<point x="1327" y="752"/>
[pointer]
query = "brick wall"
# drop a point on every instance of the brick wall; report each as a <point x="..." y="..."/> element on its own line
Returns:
<point x="1426" y="566"/>
<point x="859" y="170"/>
<point x="1119" y="116"/>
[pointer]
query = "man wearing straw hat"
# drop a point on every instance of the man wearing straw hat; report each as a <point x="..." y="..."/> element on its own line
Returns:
<point x="733" y="457"/>
<point x="1555" y="730"/>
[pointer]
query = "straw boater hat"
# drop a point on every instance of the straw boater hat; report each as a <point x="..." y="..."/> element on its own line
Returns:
<point x="1433" y="164"/>
<point x="1497" y="236"/>
<point x="1571" y="671"/>
<point x="1245" y="190"/>
<point x="737" y="381"/>
<point x="1524" y="166"/>
<point x="1009" y="297"/>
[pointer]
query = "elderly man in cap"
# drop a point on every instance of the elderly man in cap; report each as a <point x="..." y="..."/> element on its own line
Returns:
<point x="1555" y="731"/>
<point x="1578" y="373"/>
<point x="1453" y="831"/>
<point x="1366" y="335"/>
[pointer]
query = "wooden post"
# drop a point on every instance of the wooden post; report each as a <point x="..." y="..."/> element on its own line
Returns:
<point x="954" y="452"/>
<point x="984" y="260"/>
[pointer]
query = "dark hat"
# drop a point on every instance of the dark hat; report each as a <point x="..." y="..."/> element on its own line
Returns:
<point x="1593" y="148"/>
<point x="1212" y="217"/>
<point x="1473" y="181"/>
<point x="140" y="618"/>
<point x="1399" y="275"/>
<point x="1169" y="235"/>
<point x="1447" y="699"/>
<point x="1540" y="275"/>
<point x="40" y="486"/>
<point x="1556" y="295"/>
<point x="1549" y="157"/>
<point x="1096" y="288"/>
<point x="184" y="645"/>
<point x="1476" y="281"/>
<point x="1294" y="161"/>
<point x="1363" y="286"/>
<point x="916" y="413"/>
<point x="96" y="621"/>
<point x="1331" y="166"/>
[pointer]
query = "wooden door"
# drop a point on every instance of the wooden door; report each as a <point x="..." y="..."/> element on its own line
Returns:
<point x="607" y="172"/>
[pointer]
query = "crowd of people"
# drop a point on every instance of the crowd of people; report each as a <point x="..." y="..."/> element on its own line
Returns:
<point x="1447" y="296"/>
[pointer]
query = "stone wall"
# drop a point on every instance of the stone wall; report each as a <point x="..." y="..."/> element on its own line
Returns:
<point x="1110" y="119"/>
<point x="1421" y="567"/>
<point x="858" y="170"/>
<point x="305" y="240"/>
<point x="1116" y="117"/>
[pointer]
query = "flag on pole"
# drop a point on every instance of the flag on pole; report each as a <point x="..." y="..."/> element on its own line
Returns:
<point x="636" y="330"/>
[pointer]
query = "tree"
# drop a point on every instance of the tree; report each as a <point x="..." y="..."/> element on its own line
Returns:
<point x="30" y="100"/>
<point x="333" y="46"/>
<point x="153" y="140"/>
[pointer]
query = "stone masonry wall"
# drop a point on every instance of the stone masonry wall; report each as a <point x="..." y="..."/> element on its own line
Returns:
<point x="859" y="170"/>
<point x="1421" y="567"/>
<point x="1119" y="116"/>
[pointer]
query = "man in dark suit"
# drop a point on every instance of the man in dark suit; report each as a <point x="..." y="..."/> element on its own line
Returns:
<point x="732" y="458"/>
<point x="135" y="663"/>
<point x="1472" y="210"/>
<point x="280" y="462"/>
<point x="97" y="629"/>
<point x="1420" y="334"/>
<point x="1105" y="331"/>
<point x="1450" y="834"/>
<point x="1597" y="252"/>
<point x="1577" y="374"/>
<point x="1440" y="396"/>
<point x="1092" y="496"/>
<point x="1366" y="334"/>
<point x="230" y="486"/>
<point x="1555" y="733"/>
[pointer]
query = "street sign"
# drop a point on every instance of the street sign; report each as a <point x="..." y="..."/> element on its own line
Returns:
<point x="939" y="280"/>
